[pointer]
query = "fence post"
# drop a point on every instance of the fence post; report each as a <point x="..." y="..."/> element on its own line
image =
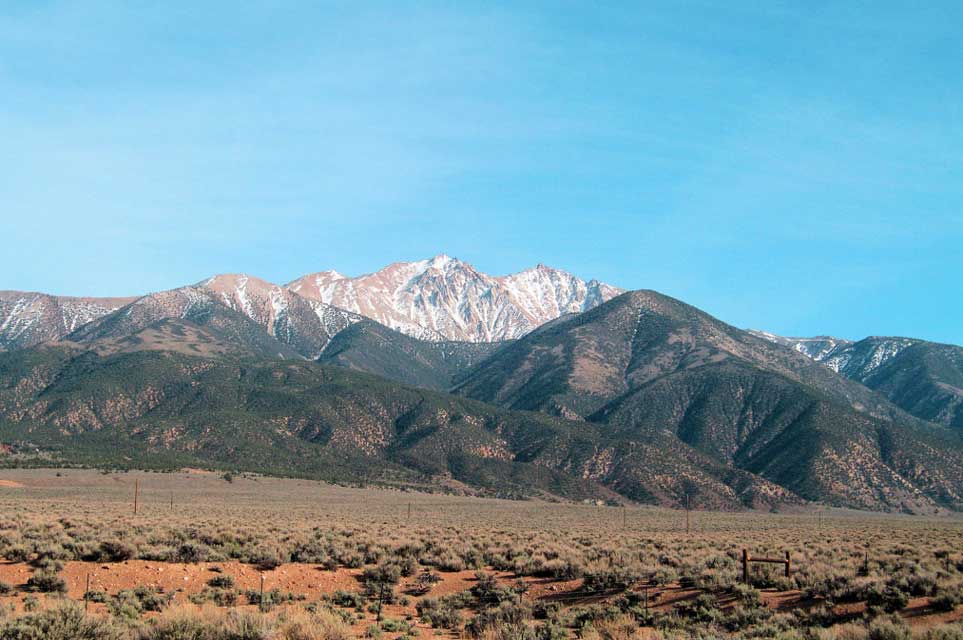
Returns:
<point x="87" y="593"/>
<point x="745" y="566"/>
<point x="136" y="494"/>
<point x="788" y="566"/>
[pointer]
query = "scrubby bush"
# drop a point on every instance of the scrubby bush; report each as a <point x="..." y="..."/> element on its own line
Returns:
<point x="267" y="557"/>
<point x="46" y="581"/>
<point x="439" y="613"/>
<point x="888" y="629"/>
<point x="64" y="622"/>
<point x="115" y="551"/>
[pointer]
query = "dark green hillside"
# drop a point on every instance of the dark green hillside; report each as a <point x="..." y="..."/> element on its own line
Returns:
<point x="924" y="378"/>
<point x="654" y="372"/>
<point x="160" y="409"/>
<point x="374" y="348"/>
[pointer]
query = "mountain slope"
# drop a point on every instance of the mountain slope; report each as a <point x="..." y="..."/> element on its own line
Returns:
<point x="817" y="348"/>
<point x="374" y="348"/>
<point x="444" y="299"/>
<point x="161" y="409"/>
<point x="575" y="365"/>
<point x="924" y="378"/>
<point x="649" y="369"/>
<point x="27" y="318"/>
<point x="240" y="309"/>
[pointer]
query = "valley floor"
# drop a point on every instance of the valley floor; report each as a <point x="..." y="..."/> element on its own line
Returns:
<point x="200" y="542"/>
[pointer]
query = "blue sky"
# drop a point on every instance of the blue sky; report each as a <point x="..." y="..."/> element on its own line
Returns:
<point x="796" y="167"/>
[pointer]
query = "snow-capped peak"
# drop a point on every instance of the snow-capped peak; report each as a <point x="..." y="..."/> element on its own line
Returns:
<point x="444" y="298"/>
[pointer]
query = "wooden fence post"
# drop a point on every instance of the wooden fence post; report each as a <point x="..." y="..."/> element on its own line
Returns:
<point x="87" y="593"/>
<point x="745" y="566"/>
<point x="136" y="494"/>
<point x="788" y="566"/>
<point x="687" y="514"/>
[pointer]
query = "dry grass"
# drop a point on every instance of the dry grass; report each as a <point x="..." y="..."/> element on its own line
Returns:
<point x="563" y="570"/>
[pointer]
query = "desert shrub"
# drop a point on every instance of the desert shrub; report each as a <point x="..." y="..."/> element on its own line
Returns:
<point x="448" y="561"/>
<point x="190" y="552"/>
<point x="592" y="615"/>
<point x="131" y="603"/>
<point x="613" y="578"/>
<point x="50" y="555"/>
<point x="271" y="598"/>
<point x="507" y="620"/>
<point x="702" y="608"/>
<point x="17" y="553"/>
<point x="614" y="628"/>
<point x="221" y="581"/>
<point x="664" y="577"/>
<point x="425" y="581"/>
<point x="551" y="630"/>
<point x="439" y="613"/>
<point x="219" y="596"/>
<point x="746" y="595"/>
<point x="744" y="617"/>
<point x="916" y="584"/>
<point x="347" y="599"/>
<point x="885" y="629"/>
<point x="46" y="581"/>
<point x="64" y="622"/>
<point x="946" y="632"/>
<point x="392" y="625"/>
<point x="267" y="557"/>
<point x="542" y="610"/>
<point x="115" y="551"/>
<point x="946" y="601"/>
<point x="97" y="595"/>
<point x="488" y="592"/>
<point x="379" y="582"/>
<point x="5" y="588"/>
<point x="888" y="598"/>
<point x="322" y="625"/>
<point x="181" y="624"/>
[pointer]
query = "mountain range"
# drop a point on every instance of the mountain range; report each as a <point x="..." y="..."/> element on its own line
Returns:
<point x="431" y="374"/>
<point x="924" y="378"/>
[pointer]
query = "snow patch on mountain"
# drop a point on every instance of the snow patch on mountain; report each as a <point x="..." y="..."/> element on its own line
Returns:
<point x="855" y="360"/>
<point x="29" y="318"/>
<point x="443" y="298"/>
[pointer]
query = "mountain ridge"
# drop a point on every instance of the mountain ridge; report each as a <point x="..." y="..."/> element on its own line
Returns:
<point x="445" y="299"/>
<point x="924" y="378"/>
